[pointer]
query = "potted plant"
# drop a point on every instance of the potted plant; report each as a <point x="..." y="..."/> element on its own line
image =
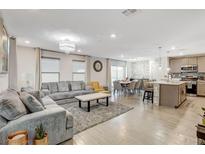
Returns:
<point x="41" y="137"/>
<point x="203" y="116"/>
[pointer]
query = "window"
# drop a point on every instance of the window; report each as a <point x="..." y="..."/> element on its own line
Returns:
<point x="50" y="69"/>
<point x="117" y="73"/>
<point x="78" y="70"/>
<point x="141" y="69"/>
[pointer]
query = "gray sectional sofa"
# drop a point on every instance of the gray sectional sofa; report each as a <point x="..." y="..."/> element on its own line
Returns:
<point x="57" y="122"/>
<point x="65" y="91"/>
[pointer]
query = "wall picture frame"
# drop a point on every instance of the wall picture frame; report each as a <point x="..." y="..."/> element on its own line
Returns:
<point x="4" y="52"/>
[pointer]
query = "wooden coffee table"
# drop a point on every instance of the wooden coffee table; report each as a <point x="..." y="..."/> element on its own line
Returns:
<point x="91" y="97"/>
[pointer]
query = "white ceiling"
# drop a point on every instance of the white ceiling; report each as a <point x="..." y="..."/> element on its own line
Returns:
<point x="138" y="35"/>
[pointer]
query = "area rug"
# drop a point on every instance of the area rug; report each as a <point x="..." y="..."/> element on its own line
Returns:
<point x="98" y="114"/>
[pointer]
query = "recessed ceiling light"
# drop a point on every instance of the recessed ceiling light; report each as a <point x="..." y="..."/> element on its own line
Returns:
<point x="113" y="36"/>
<point x="27" y="42"/>
<point x="122" y="56"/>
<point x="78" y="50"/>
<point x="129" y="12"/>
<point x="173" y="47"/>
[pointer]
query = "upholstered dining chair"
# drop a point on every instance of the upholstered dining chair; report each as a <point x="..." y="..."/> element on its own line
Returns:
<point x="138" y="86"/>
<point x="131" y="87"/>
<point x="117" y="87"/>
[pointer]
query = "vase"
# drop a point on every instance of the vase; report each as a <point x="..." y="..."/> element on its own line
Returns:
<point x="43" y="141"/>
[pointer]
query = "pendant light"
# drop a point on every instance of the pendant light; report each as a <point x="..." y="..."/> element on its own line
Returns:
<point x="160" y="58"/>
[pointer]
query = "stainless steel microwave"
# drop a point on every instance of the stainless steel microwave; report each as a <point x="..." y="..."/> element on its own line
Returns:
<point x="189" y="68"/>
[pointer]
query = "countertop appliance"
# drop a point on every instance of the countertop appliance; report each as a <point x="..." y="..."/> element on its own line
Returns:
<point x="189" y="68"/>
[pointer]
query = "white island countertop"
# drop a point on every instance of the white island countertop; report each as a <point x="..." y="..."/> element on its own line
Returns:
<point x="175" y="83"/>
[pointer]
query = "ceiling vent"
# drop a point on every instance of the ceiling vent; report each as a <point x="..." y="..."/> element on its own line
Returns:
<point x="129" y="12"/>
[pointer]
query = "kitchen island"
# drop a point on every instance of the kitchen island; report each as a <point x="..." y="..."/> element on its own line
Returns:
<point x="170" y="93"/>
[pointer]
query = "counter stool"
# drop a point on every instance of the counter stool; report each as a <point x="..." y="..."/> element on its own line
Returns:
<point x="148" y="91"/>
<point x="148" y="95"/>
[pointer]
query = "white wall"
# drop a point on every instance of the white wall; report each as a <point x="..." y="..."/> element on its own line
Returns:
<point x="26" y="65"/>
<point x="66" y="66"/>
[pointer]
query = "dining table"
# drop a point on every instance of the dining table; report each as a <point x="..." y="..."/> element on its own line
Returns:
<point x="125" y="83"/>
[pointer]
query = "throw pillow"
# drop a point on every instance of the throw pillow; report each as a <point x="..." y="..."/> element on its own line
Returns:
<point x="83" y="86"/>
<point x="31" y="102"/>
<point x="11" y="107"/>
<point x="76" y="86"/>
<point x="53" y="87"/>
<point x="3" y="122"/>
<point x="63" y="86"/>
<point x="37" y="94"/>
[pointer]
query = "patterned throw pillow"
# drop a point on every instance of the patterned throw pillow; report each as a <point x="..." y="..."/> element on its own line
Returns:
<point x="11" y="107"/>
<point x="37" y="94"/>
<point x="31" y="102"/>
<point x="3" y="122"/>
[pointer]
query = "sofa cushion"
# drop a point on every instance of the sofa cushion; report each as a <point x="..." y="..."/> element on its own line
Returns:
<point x="31" y="102"/>
<point x="62" y="95"/>
<point x="69" y="120"/>
<point x="44" y="85"/>
<point x="3" y="122"/>
<point x="76" y="85"/>
<point x="63" y="86"/>
<point x="47" y="101"/>
<point x="81" y="92"/>
<point x="53" y="87"/>
<point x="11" y="107"/>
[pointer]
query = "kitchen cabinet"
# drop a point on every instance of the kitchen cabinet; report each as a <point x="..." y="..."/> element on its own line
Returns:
<point x="201" y="64"/>
<point x="182" y="93"/>
<point x="176" y="63"/>
<point x="192" y="60"/>
<point x="172" y="94"/>
<point x="201" y="88"/>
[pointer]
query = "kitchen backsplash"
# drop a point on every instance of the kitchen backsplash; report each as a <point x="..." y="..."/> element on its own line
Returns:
<point x="201" y="76"/>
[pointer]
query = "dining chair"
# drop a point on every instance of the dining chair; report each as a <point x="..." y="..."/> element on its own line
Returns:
<point x="131" y="87"/>
<point x="138" y="86"/>
<point x="117" y="87"/>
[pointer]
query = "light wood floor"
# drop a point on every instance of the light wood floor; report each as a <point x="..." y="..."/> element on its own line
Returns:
<point x="146" y="124"/>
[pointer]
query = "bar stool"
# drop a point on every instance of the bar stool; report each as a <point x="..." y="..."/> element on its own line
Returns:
<point x="148" y="91"/>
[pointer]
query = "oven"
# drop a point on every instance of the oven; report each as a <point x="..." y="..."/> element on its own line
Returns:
<point x="191" y="85"/>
